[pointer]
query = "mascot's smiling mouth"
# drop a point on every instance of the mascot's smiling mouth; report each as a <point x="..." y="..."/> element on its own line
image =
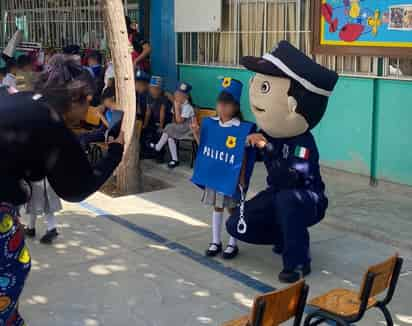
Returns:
<point x="258" y="109"/>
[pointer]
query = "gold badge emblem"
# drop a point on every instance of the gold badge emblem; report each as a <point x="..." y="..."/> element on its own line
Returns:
<point x="227" y="82"/>
<point x="231" y="142"/>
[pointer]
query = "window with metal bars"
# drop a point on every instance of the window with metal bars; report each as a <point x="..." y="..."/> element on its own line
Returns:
<point x="253" y="27"/>
<point x="58" y="23"/>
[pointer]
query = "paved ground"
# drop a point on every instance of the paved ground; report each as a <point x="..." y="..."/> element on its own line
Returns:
<point x="137" y="260"/>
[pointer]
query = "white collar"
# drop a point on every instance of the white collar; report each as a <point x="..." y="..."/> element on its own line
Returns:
<point x="235" y="122"/>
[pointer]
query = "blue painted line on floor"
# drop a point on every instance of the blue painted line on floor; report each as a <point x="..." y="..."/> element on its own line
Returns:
<point x="184" y="250"/>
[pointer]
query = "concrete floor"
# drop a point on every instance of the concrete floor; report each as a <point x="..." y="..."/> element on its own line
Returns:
<point x="137" y="260"/>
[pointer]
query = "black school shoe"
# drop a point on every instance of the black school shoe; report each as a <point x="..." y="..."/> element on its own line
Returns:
<point x="173" y="164"/>
<point x="213" y="250"/>
<point x="292" y="276"/>
<point x="30" y="233"/>
<point x="49" y="236"/>
<point x="232" y="254"/>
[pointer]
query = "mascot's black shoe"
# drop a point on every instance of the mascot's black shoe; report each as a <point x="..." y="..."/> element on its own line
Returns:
<point x="213" y="250"/>
<point x="230" y="252"/>
<point x="30" y="233"/>
<point x="49" y="236"/>
<point x="288" y="276"/>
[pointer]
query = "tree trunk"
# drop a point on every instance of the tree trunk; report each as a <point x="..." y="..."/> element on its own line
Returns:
<point x="128" y="173"/>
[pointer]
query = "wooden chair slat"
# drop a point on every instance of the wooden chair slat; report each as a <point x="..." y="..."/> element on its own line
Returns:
<point x="204" y="113"/>
<point x="340" y="302"/>
<point x="383" y="274"/>
<point x="242" y="321"/>
<point x="276" y="311"/>
<point x="279" y="306"/>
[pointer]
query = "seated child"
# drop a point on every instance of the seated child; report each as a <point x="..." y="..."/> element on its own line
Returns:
<point x="105" y="111"/>
<point x="142" y="93"/>
<point x="157" y="116"/>
<point x="183" y="114"/>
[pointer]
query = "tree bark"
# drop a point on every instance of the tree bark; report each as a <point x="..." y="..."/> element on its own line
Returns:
<point x="128" y="173"/>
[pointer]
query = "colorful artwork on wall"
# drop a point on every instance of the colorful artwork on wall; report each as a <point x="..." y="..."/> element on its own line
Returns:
<point x="362" y="27"/>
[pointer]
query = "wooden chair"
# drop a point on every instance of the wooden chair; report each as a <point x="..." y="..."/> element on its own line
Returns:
<point x="276" y="307"/>
<point x="346" y="307"/>
<point x="200" y="115"/>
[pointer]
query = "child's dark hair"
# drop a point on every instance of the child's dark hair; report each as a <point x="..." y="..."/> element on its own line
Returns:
<point x="96" y="55"/>
<point x="227" y="98"/>
<point x="63" y="83"/>
<point x="23" y="61"/>
<point x="109" y="93"/>
<point x="11" y="63"/>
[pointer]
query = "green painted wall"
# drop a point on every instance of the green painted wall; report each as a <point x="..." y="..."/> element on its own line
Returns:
<point x="345" y="134"/>
<point x="394" y="137"/>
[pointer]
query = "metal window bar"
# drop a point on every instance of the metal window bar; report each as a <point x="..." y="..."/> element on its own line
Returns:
<point x="252" y="27"/>
<point x="58" y="23"/>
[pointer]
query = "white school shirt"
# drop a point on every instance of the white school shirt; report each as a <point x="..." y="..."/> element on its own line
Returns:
<point x="235" y="122"/>
<point x="10" y="80"/>
<point x="187" y="111"/>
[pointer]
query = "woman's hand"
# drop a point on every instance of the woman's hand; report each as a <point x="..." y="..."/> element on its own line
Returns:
<point x="195" y="125"/>
<point x="118" y="140"/>
<point x="257" y="140"/>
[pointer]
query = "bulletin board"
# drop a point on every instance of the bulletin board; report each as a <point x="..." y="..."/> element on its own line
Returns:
<point x="362" y="27"/>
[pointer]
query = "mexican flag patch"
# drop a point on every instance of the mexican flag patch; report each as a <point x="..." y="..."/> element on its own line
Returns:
<point x="302" y="152"/>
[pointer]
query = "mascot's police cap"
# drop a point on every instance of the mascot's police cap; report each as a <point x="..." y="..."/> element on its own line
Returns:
<point x="287" y="61"/>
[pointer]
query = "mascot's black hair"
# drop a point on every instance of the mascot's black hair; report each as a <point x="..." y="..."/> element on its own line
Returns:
<point x="310" y="105"/>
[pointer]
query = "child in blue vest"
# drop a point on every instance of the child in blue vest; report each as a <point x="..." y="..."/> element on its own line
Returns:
<point x="228" y="115"/>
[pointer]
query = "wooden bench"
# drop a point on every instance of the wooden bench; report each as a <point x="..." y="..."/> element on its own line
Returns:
<point x="200" y="115"/>
<point x="277" y="307"/>
<point x="346" y="307"/>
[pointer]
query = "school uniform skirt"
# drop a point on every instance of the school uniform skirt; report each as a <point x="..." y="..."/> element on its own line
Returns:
<point x="43" y="199"/>
<point x="212" y="198"/>
<point x="179" y="130"/>
<point x="15" y="263"/>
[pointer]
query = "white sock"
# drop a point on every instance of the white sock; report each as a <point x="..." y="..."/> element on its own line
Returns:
<point x="232" y="242"/>
<point x="32" y="221"/>
<point x="51" y="221"/>
<point x="162" y="142"/>
<point x="217" y="227"/>
<point x="173" y="149"/>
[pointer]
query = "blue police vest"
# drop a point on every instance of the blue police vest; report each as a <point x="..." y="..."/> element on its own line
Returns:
<point x="220" y="157"/>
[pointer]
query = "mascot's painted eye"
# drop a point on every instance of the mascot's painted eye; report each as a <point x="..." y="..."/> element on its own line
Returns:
<point x="265" y="88"/>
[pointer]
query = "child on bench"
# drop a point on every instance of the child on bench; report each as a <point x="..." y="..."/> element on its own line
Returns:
<point x="106" y="115"/>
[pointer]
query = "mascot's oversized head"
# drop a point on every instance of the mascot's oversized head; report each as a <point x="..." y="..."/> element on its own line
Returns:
<point x="290" y="92"/>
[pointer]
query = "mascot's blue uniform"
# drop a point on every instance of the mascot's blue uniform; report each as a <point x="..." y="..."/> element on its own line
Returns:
<point x="288" y="96"/>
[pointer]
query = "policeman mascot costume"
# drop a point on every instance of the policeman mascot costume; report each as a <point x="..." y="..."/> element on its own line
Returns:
<point x="288" y="95"/>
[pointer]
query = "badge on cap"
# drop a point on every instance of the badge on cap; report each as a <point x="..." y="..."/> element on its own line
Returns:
<point x="183" y="87"/>
<point x="227" y="81"/>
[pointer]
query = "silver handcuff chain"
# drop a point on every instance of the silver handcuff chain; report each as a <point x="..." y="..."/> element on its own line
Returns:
<point x="241" y="225"/>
